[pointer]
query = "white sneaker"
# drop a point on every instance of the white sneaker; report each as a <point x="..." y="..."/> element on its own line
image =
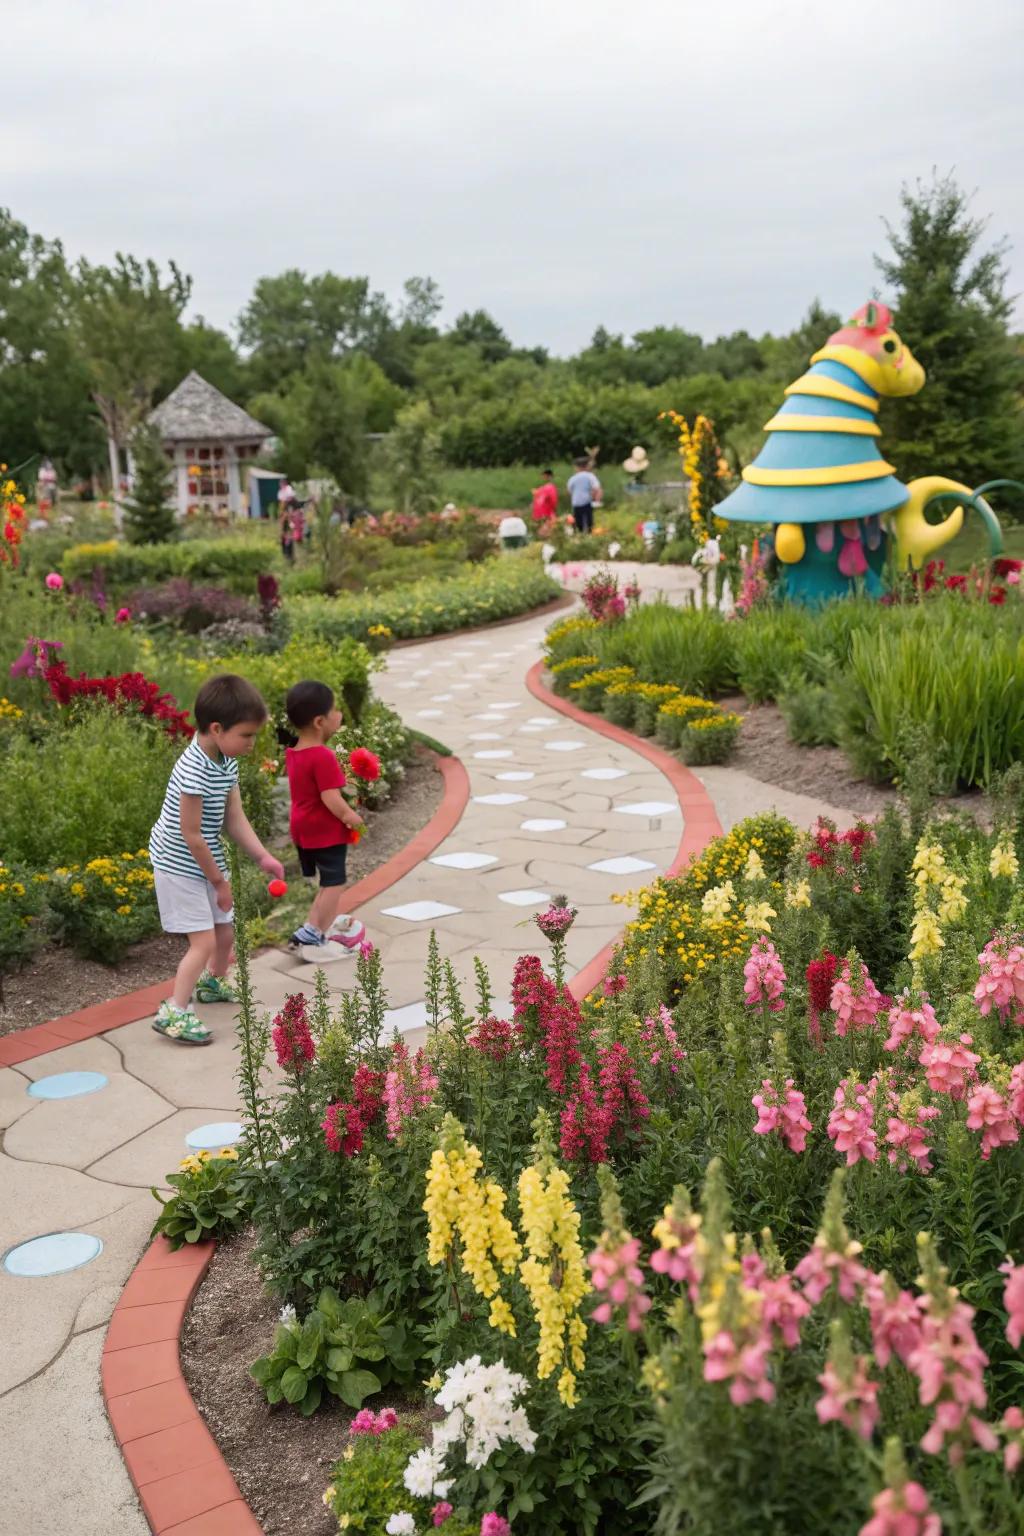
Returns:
<point x="323" y="954"/>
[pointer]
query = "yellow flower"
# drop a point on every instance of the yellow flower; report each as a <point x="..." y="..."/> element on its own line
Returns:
<point x="433" y="1383"/>
<point x="925" y="938"/>
<point x="228" y="1155"/>
<point x="78" y="889"/>
<point x="1003" y="861"/>
<point x="190" y="1164"/>
<point x="716" y="903"/>
<point x="799" y="895"/>
<point x="753" y="869"/>
<point x="757" y="916"/>
<point x="123" y="910"/>
<point x="349" y="1452"/>
<point x="554" y="1272"/>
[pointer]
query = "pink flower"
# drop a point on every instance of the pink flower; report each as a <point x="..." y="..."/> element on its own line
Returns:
<point x="494" y="1525"/>
<point x="1016" y="1095"/>
<point x="123" y="616"/>
<point x="613" y="985"/>
<point x="949" y="1065"/>
<point x="851" y="1123"/>
<point x="494" y="1038"/>
<point x="851" y="1399"/>
<point x="440" y="1512"/>
<point x="906" y="1021"/>
<point x="1012" y="1426"/>
<point x="1013" y="1301"/>
<point x="989" y="1113"/>
<point x="617" y="1275"/>
<point x="765" y="977"/>
<point x="1001" y="984"/>
<point x="409" y="1086"/>
<point x="855" y="1000"/>
<point x="743" y="1364"/>
<point x="366" y="948"/>
<point x="782" y="1308"/>
<point x="366" y="1422"/>
<point x="293" y="1043"/>
<point x="681" y="1259"/>
<point x="55" y="581"/>
<point x="907" y="1140"/>
<point x="895" y="1319"/>
<point x="662" y="1041"/>
<point x="949" y="1365"/>
<point x="556" y="921"/>
<point x="822" y="1265"/>
<point x="903" y="1511"/>
<point x="787" y="1115"/>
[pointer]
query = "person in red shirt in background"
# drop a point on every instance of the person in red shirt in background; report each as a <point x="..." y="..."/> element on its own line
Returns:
<point x="545" y="503"/>
<point x="322" y="824"/>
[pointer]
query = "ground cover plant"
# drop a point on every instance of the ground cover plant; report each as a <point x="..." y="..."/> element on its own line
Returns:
<point x="761" y="1190"/>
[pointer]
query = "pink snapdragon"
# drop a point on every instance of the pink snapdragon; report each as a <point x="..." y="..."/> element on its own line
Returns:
<point x="949" y="1365"/>
<point x="895" y="1319"/>
<point x="661" y="1040"/>
<point x="1015" y="1098"/>
<point x="785" y="1113"/>
<point x="855" y="999"/>
<point x="851" y="1122"/>
<point x="765" y="979"/>
<point x="1012" y="1428"/>
<point x="409" y="1087"/>
<point x="366" y="1422"/>
<point x="849" y="1396"/>
<point x="1001" y="983"/>
<point x="902" y="1511"/>
<point x="907" y="1021"/>
<point x="950" y="1065"/>
<point x="742" y="1363"/>
<point x="494" y="1525"/>
<point x="1013" y="1301"/>
<point x="989" y="1113"/>
<point x="906" y="1137"/>
<point x="679" y="1255"/>
<point x="616" y="1273"/>
<point x="783" y="1308"/>
<point x="440" y="1512"/>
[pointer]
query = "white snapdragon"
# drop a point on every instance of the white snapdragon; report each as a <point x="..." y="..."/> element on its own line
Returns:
<point x="482" y="1414"/>
<point x="401" y="1524"/>
<point x="423" y="1475"/>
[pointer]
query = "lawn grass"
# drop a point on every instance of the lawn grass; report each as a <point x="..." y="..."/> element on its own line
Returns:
<point x="508" y="487"/>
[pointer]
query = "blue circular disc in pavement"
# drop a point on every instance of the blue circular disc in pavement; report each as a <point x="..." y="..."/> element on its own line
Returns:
<point x="67" y="1085"/>
<point x="210" y="1138"/>
<point x="53" y="1254"/>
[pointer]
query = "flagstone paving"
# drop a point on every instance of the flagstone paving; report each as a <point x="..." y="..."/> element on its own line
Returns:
<point x="553" y="807"/>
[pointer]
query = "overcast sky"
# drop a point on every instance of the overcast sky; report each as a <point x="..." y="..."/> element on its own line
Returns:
<point x="562" y="164"/>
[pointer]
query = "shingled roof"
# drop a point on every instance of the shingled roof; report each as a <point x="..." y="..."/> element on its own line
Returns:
<point x="195" y="411"/>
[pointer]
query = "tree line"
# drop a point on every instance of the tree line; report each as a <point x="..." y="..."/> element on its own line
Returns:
<point x="87" y="349"/>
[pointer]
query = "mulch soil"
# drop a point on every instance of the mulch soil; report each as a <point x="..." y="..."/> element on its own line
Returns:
<point x="58" y="982"/>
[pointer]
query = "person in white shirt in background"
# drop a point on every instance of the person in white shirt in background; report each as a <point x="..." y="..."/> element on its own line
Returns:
<point x="584" y="494"/>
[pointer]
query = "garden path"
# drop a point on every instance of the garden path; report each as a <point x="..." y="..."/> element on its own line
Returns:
<point x="553" y="807"/>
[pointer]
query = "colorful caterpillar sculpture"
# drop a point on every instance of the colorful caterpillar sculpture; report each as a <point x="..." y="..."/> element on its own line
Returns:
<point x="834" y="502"/>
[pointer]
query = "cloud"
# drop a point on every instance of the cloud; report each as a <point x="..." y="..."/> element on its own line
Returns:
<point x="560" y="164"/>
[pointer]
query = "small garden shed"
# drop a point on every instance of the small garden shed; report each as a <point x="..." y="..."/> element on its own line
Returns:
<point x="210" y="441"/>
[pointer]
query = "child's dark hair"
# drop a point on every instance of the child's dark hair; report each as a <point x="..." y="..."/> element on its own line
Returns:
<point x="228" y="700"/>
<point x="306" y="700"/>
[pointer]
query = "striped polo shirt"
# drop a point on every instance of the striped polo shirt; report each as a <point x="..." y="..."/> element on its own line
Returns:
<point x="193" y="774"/>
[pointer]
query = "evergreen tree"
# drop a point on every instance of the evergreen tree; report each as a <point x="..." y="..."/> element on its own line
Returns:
<point x="148" y="514"/>
<point x="952" y="310"/>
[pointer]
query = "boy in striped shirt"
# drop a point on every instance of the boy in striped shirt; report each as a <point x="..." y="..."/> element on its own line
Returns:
<point x="190" y="870"/>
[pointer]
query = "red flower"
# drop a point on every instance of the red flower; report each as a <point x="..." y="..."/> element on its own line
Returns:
<point x="494" y="1038"/>
<point x="366" y="1103"/>
<point x="1005" y="566"/>
<point x="364" y="764"/>
<point x="997" y="595"/>
<point x="293" y="1043"/>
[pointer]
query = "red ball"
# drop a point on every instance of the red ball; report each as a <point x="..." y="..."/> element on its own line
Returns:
<point x="277" y="888"/>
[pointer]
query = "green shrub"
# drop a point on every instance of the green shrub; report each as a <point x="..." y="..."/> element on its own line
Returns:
<point x="209" y="1199"/>
<point x="342" y="663"/>
<point x="334" y="1348"/>
<point x="709" y="739"/>
<point x="769" y="649"/>
<point x="810" y="712"/>
<point x="21" y="900"/>
<point x="101" y="908"/>
<point x="85" y="787"/>
<point x="228" y="562"/>
<point x="693" y="648"/>
<point x="498" y="589"/>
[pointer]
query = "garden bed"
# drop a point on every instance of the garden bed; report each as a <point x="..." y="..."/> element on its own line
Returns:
<point x="58" y="982"/>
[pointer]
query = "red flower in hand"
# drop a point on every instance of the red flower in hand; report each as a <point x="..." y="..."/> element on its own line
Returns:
<point x="364" y="764"/>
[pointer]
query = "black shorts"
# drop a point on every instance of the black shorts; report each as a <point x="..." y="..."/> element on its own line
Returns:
<point x="329" y="863"/>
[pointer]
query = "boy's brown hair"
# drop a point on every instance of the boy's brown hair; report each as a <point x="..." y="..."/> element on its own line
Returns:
<point x="228" y="700"/>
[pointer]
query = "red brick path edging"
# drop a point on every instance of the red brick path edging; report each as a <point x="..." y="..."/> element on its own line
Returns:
<point x="700" y="823"/>
<point x="98" y="1018"/>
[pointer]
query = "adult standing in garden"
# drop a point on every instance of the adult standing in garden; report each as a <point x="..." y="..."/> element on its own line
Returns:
<point x="584" y="494"/>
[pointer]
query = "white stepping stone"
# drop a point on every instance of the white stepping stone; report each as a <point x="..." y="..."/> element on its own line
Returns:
<point x="407" y="685"/>
<point x="542" y="824"/>
<point x="494" y="752"/>
<point x="490" y="719"/>
<point x="524" y="898"/>
<point x="429" y="714"/>
<point x="420" y="911"/>
<point x="461" y="687"/>
<point x="499" y="799"/>
<point x="527" y="729"/>
<point x="515" y="776"/>
<point x="605" y="773"/>
<point x="648" y="808"/>
<point x="490" y="666"/>
<point x="53" y="1254"/>
<point x="442" y="698"/>
<point x="506" y="704"/>
<point x="210" y="1138"/>
<point x="412" y="1016"/>
<point x="485" y="735"/>
<point x="465" y="860"/>
<point x="423" y="672"/>
<point x="624" y="866"/>
<point x="564" y="746"/>
<point x="542" y="720"/>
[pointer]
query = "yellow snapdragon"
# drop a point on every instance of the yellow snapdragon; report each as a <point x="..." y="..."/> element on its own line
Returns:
<point x="717" y="903"/>
<point x="554" y="1272"/>
<point x="799" y="894"/>
<point x="1003" y="862"/>
<point x="461" y="1204"/>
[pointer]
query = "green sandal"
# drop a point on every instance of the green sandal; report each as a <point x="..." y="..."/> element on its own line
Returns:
<point x="215" y="989"/>
<point x="182" y="1025"/>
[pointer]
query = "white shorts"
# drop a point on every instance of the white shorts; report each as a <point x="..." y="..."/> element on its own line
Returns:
<point x="187" y="905"/>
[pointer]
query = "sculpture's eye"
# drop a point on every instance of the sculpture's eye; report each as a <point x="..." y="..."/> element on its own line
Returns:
<point x="889" y="346"/>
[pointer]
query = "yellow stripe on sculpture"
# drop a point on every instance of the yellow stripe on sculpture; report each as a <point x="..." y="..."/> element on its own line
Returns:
<point x="831" y="389"/>
<point x="850" y="424"/>
<point x="832" y="474"/>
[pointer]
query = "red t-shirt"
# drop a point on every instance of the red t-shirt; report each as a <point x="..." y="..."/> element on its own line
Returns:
<point x="311" y="770"/>
<point x="545" y="501"/>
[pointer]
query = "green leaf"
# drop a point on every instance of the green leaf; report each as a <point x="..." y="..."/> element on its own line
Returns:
<point x="339" y="1360"/>
<point x="354" y="1386"/>
<point x="294" y="1384"/>
<point x="262" y="1369"/>
<point x="311" y="1402"/>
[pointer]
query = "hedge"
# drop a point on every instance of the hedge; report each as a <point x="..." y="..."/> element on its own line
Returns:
<point x="231" y="563"/>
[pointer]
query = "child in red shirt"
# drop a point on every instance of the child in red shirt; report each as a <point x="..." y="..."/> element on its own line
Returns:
<point x="322" y="823"/>
<point x="545" y="502"/>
